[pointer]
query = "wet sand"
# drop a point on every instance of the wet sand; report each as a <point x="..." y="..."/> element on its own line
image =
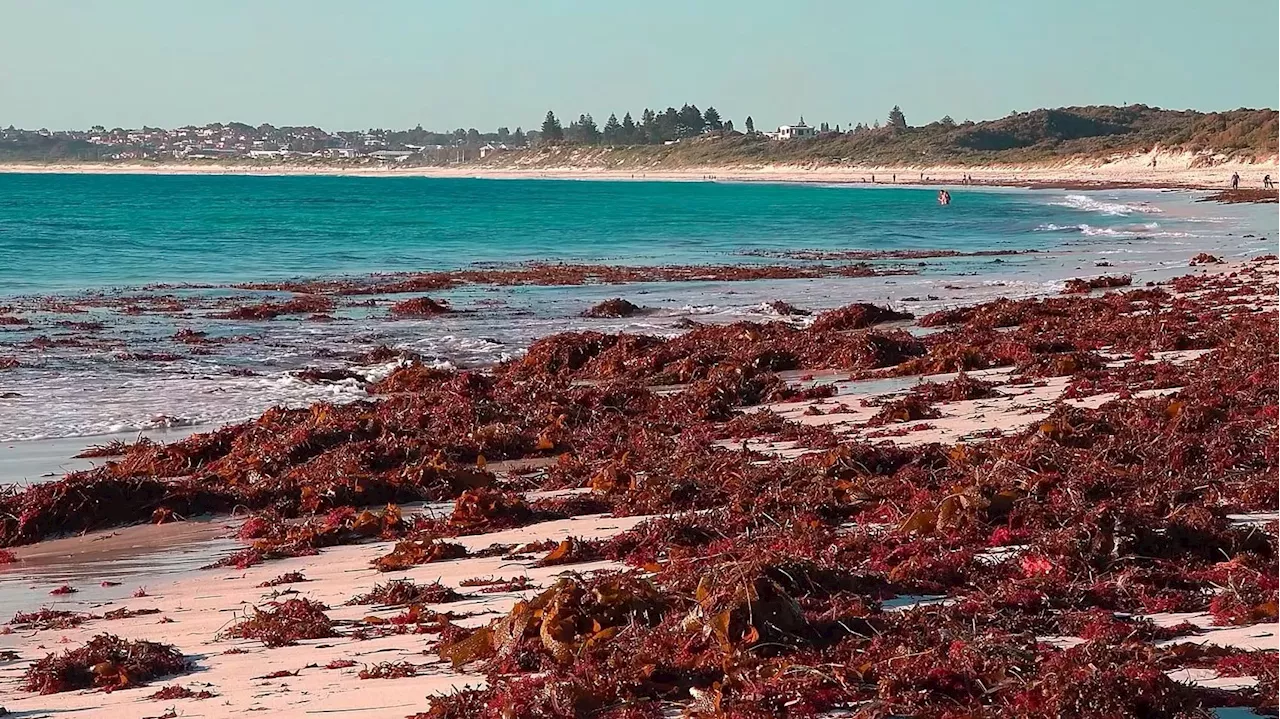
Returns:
<point x="39" y="460"/>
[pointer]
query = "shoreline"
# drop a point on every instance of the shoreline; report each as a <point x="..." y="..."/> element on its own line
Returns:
<point x="1079" y="174"/>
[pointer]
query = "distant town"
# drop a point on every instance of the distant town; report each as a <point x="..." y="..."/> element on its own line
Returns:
<point x="221" y="141"/>
<point x="241" y="141"/>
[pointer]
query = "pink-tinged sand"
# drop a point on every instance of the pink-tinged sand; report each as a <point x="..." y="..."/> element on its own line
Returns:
<point x="201" y="607"/>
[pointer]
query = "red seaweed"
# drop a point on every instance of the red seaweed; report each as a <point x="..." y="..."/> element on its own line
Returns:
<point x="284" y="623"/>
<point x="105" y="662"/>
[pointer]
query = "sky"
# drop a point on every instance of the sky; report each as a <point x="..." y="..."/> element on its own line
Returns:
<point x="486" y="63"/>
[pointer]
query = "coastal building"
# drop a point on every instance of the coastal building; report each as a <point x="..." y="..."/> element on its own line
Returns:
<point x="210" y="153"/>
<point x="791" y="132"/>
<point x="394" y="155"/>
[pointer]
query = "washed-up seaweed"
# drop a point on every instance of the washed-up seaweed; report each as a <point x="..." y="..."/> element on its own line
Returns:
<point x="298" y="305"/>
<point x="46" y="618"/>
<point x="616" y="307"/>
<point x="400" y="592"/>
<point x="389" y="670"/>
<point x="1077" y="286"/>
<point x="105" y="662"/>
<point x="419" y="307"/>
<point x="175" y="691"/>
<point x="891" y="581"/>
<point x="541" y="273"/>
<point x="284" y="623"/>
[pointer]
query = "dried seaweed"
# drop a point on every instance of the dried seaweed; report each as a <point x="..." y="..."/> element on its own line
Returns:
<point x="283" y="623"/>
<point x="1078" y="286"/>
<point x="400" y="592"/>
<point x="105" y="662"/>
<point x="286" y="578"/>
<point x="175" y="691"/>
<point x="390" y="670"/>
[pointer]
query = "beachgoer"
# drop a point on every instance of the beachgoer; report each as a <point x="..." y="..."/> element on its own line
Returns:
<point x="1235" y="180"/>
<point x="895" y="179"/>
<point x="1266" y="182"/>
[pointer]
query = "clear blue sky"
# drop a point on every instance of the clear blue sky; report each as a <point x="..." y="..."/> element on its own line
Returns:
<point x="485" y="63"/>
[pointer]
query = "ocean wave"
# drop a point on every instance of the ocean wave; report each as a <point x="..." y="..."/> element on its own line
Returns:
<point x="1148" y="229"/>
<point x="1089" y="204"/>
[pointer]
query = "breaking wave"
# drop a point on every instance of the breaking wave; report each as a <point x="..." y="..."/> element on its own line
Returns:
<point x="1089" y="204"/>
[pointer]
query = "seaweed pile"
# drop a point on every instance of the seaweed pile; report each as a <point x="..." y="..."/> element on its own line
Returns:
<point x="789" y="591"/>
<point x="1083" y="287"/>
<point x="616" y="307"/>
<point x="284" y="623"/>
<point x="105" y="662"/>
<point x="543" y="273"/>
<point x="419" y="307"/>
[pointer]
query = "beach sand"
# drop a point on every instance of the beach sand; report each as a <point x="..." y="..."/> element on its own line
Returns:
<point x="1172" y="170"/>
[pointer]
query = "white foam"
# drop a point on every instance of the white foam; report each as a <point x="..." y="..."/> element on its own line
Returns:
<point x="1089" y="204"/>
<point x="1148" y="229"/>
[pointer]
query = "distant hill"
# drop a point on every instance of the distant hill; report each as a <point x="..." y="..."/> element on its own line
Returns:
<point x="1028" y="137"/>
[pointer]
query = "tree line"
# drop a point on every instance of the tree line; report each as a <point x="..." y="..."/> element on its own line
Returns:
<point x="654" y="128"/>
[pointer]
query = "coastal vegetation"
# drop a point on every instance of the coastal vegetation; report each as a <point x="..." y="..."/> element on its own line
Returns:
<point x="1036" y="136"/>
<point x="684" y="137"/>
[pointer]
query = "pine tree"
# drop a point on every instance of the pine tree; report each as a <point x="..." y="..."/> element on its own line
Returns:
<point x="628" y="133"/>
<point x="588" y="132"/>
<point x="751" y="126"/>
<point x="728" y="126"/>
<point x="612" y="128"/>
<point x="668" y="124"/>
<point x="552" y="131"/>
<point x="689" y="122"/>
<point x="897" y="119"/>
<point x="711" y="120"/>
<point x="650" y="134"/>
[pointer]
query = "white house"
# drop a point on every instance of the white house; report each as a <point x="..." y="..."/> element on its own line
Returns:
<point x="394" y="155"/>
<point x="788" y="132"/>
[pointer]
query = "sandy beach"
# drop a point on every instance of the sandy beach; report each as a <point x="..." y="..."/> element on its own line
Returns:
<point x="1171" y="170"/>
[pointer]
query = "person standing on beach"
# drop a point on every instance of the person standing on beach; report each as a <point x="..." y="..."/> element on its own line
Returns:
<point x="1267" y="184"/>
<point x="1235" y="180"/>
